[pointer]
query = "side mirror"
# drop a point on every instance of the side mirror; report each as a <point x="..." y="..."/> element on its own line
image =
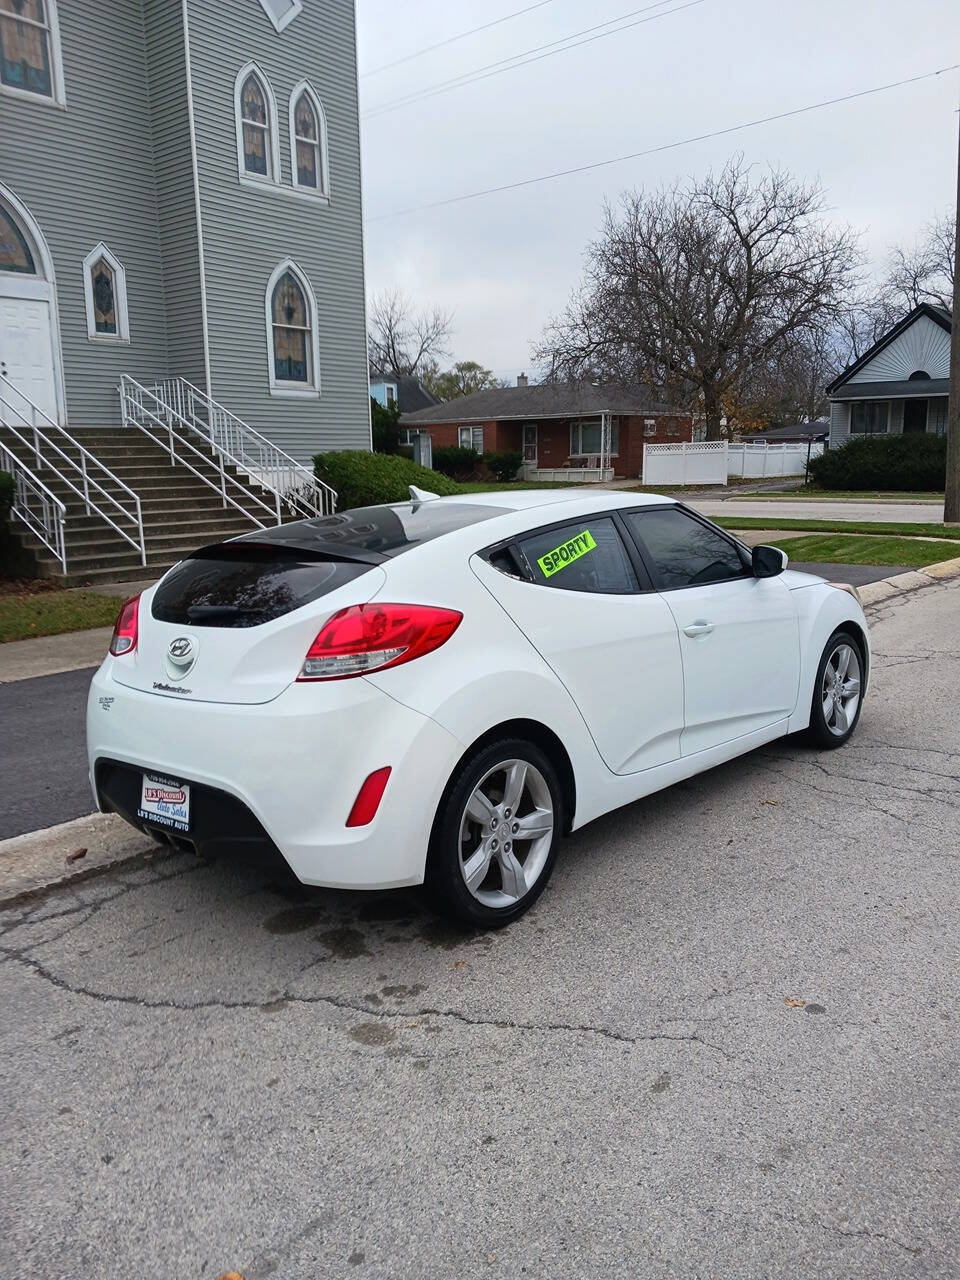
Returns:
<point x="767" y="562"/>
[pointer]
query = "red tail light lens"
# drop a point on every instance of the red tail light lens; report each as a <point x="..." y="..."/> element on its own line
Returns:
<point x="372" y="637"/>
<point x="368" y="798"/>
<point x="125" y="631"/>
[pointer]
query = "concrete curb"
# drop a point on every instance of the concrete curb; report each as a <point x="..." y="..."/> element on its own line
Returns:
<point x="49" y="655"/>
<point x="31" y="863"/>
<point x="929" y="576"/>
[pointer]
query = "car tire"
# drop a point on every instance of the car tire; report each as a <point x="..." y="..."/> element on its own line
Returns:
<point x="488" y="873"/>
<point x="836" y="706"/>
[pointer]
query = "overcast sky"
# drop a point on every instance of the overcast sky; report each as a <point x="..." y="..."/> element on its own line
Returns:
<point x="504" y="263"/>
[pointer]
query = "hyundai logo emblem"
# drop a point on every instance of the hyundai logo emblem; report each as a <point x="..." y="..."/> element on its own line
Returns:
<point x="181" y="649"/>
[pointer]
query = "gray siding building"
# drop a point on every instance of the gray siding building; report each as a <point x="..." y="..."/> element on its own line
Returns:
<point x="180" y="198"/>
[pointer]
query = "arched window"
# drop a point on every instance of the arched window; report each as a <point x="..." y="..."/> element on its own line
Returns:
<point x="15" y="253"/>
<point x="30" y="61"/>
<point x="919" y="375"/>
<point x="292" y="343"/>
<point x="256" y="111"/>
<point x="308" y="142"/>
<point x="105" y="296"/>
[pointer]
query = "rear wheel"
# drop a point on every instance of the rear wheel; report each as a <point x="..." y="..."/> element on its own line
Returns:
<point x="495" y="835"/>
<point x="838" y="691"/>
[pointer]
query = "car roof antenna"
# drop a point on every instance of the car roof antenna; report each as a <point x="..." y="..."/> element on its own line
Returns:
<point x="421" y="495"/>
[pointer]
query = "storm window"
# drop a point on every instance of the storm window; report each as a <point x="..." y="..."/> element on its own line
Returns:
<point x="257" y="142"/>
<point x="869" y="417"/>
<point x="30" y="63"/>
<point x="292" y="333"/>
<point x="308" y="141"/>
<point x="105" y="296"/>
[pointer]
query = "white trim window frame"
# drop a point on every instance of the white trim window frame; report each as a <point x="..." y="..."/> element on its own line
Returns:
<point x="292" y="8"/>
<point x="284" y="387"/>
<point x="576" y="437"/>
<point x="321" y="191"/>
<point x="50" y="34"/>
<point x="869" y="418"/>
<point x="100" y="253"/>
<point x="471" y="438"/>
<point x="269" y="128"/>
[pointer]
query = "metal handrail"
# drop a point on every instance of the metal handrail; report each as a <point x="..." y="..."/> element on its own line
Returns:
<point x="162" y="418"/>
<point x="30" y="493"/>
<point x="266" y="462"/>
<point x="82" y="469"/>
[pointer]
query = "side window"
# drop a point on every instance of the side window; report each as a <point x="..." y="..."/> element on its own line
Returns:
<point x="587" y="555"/>
<point x="684" y="552"/>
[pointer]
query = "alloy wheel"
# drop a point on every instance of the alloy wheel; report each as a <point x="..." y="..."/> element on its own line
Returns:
<point x="840" y="691"/>
<point x="506" y="832"/>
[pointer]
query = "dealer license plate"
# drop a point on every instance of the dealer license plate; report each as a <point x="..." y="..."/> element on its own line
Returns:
<point x="165" y="802"/>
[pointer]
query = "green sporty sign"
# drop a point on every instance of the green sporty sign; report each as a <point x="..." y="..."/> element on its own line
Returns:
<point x="564" y="555"/>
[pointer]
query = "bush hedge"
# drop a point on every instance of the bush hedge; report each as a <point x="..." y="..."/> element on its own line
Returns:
<point x="6" y="496"/>
<point x="457" y="463"/>
<point x="363" y="479"/>
<point x="503" y="466"/>
<point x="901" y="462"/>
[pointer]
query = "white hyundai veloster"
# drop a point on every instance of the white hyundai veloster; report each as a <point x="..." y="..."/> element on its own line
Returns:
<point x="436" y="691"/>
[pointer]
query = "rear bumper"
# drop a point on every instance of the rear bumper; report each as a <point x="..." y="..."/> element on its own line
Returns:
<point x="281" y="775"/>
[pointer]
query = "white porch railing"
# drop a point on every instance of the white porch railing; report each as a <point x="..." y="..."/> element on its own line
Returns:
<point x="84" y="474"/>
<point x="297" y="488"/>
<point x="35" y="506"/>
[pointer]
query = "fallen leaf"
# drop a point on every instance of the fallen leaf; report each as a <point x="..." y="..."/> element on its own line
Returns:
<point x="76" y="855"/>
<point x="230" y="1275"/>
<point x="459" y="964"/>
<point x="763" y="800"/>
<point x="793" y="1003"/>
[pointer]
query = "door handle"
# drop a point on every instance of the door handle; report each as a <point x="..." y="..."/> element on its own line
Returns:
<point x="698" y="629"/>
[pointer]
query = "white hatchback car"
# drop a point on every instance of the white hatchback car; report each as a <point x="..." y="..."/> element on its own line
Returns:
<point x="435" y="691"/>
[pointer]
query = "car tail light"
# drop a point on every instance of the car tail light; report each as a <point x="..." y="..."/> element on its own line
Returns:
<point x="368" y="798"/>
<point x="125" y="630"/>
<point x="372" y="637"/>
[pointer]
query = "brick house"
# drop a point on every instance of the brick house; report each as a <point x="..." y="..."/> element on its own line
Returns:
<point x="564" y="430"/>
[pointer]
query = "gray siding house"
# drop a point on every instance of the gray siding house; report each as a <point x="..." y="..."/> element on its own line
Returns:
<point x="180" y="198"/>
<point x="901" y="384"/>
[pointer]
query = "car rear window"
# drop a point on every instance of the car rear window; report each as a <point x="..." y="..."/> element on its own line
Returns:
<point x="377" y="533"/>
<point x="237" y="584"/>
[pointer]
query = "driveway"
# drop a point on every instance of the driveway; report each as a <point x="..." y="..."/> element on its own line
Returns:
<point x="723" y="1044"/>
<point x="856" y="511"/>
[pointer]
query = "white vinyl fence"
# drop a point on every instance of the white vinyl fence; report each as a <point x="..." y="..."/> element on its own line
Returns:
<point x="756" y="461"/>
<point x="712" y="461"/>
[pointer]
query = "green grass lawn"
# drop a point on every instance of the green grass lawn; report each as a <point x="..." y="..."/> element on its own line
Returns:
<point x="851" y="549"/>
<point x="837" y="526"/>
<point x="827" y="495"/>
<point x="50" y="613"/>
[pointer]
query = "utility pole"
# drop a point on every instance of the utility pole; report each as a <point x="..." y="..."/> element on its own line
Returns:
<point x="951" y="505"/>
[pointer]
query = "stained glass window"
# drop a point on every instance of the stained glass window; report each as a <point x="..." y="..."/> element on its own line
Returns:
<point x="307" y="133"/>
<point x="104" y="297"/>
<point x="25" y="61"/>
<point x="15" y="253"/>
<point x="291" y="331"/>
<point x="253" y="111"/>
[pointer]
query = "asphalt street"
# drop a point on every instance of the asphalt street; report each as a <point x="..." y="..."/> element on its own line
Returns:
<point x="858" y="512"/>
<point x="43" y="770"/>
<point x="723" y="1044"/>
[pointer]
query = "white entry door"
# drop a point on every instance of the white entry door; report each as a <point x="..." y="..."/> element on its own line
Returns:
<point x="26" y="350"/>
<point x="530" y="443"/>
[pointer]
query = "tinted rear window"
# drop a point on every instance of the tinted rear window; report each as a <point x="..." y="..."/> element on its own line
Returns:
<point x="237" y="585"/>
<point x="375" y="533"/>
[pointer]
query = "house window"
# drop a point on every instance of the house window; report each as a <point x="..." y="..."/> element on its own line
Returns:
<point x="30" y="62"/>
<point x="105" y="296"/>
<point x="292" y="333"/>
<point x="585" y="437"/>
<point x="15" y="253"/>
<point x="869" y="417"/>
<point x="308" y="141"/>
<point x="919" y="375"/>
<point x="471" y="438"/>
<point x="281" y="12"/>
<point x="258" y="154"/>
<point x="391" y="393"/>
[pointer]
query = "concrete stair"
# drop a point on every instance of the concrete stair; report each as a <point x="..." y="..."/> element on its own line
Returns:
<point x="180" y="511"/>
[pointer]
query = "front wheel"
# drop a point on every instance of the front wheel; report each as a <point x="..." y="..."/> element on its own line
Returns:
<point x="838" y="691"/>
<point x="495" y="835"/>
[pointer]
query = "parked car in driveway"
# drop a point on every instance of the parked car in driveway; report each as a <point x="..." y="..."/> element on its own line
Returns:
<point x="436" y="691"/>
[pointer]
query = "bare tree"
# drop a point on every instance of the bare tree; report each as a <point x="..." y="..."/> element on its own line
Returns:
<point x="402" y="340"/>
<point x="924" y="273"/>
<point x="692" y="289"/>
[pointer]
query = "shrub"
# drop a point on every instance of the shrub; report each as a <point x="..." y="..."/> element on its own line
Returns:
<point x="6" y="496"/>
<point x="503" y="466"/>
<point x="900" y="462"/>
<point x="384" y="422"/>
<point x="364" y="479"/>
<point x="459" y="464"/>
